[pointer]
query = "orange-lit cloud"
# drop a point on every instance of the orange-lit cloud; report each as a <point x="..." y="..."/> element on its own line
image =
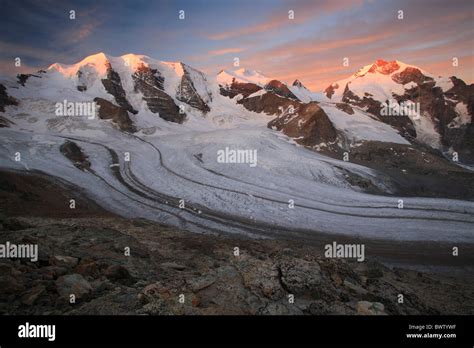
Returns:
<point x="277" y="20"/>
<point x="223" y="51"/>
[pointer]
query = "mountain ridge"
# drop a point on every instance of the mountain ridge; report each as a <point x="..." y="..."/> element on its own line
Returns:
<point x="138" y="83"/>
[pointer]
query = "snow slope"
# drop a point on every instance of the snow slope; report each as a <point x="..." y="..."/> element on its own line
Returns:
<point x="243" y="75"/>
<point x="361" y="127"/>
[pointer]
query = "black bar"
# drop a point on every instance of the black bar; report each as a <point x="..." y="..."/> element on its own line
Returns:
<point x="223" y="330"/>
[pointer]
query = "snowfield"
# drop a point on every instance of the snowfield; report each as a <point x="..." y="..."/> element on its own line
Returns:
<point x="173" y="163"/>
<point x="360" y="126"/>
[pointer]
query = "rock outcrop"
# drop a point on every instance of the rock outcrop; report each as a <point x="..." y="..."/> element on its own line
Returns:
<point x="118" y="115"/>
<point x="187" y="92"/>
<point x="297" y="83"/>
<point x="113" y="85"/>
<point x="5" y="99"/>
<point x="149" y="82"/>
<point x="448" y="104"/>
<point x="279" y="88"/>
<point x="236" y="88"/>
<point x="410" y="74"/>
<point x="415" y="170"/>
<point x="384" y="67"/>
<point x="402" y="123"/>
<point x="22" y="78"/>
<point x="75" y="154"/>
<point x="269" y="103"/>
<point x="308" y="125"/>
<point x="454" y="124"/>
<point x="329" y="91"/>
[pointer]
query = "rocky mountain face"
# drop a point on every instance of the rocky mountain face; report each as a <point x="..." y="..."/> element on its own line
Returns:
<point x="5" y="99"/>
<point x="187" y="92"/>
<point x="162" y="86"/>
<point x="415" y="170"/>
<point x="113" y="85"/>
<point x="451" y="111"/>
<point x="305" y="122"/>
<point x="279" y="88"/>
<point x="402" y="123"/>
<point x="443" y="120"/>
<point x="446" y="105"/>
<point x="297" y="83"/>
<point x="117" y="114"/>
<point x="308" y="124"/>
<point x="149" y="82"/>
<point x="405" y="166"/>
<point x="239" y="88"/>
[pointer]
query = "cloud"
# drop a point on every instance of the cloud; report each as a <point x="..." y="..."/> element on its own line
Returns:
<point x="83" y="32"/>
<point x="8" y="68"/>
<point x="223" y="51"/>
<point x="14" y="50"/>
<point x="279" y="19"/>
<point x="318" y="62"/>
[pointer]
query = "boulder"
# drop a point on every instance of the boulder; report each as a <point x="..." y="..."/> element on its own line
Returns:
<point x="31" y="296"/>
<point x="370" y="308"/>
<point x="73" y="284"/>
<point x="65" y="261"/>
<point x="119" y="273"/>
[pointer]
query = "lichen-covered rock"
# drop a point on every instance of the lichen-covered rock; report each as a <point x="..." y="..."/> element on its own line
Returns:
<point x="73" y="284"/>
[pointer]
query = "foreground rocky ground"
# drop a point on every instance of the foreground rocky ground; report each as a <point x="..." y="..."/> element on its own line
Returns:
<point x="86" y="255"/>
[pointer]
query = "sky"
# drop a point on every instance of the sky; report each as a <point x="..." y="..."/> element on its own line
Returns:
<point x="310" y="47"/>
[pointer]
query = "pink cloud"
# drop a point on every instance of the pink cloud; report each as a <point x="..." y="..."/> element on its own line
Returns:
<point x="302" y="13"/>
<point x="223" y="51"/>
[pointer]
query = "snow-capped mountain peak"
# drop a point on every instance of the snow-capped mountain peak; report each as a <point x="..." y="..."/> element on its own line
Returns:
<point x="383" y="67"/>
<point x="299" y="84"/>
<point x="226" y="77"/>
<point x="379" y="80"/>
<point x="442" y="116"/>
<point x="97" y="62"/>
